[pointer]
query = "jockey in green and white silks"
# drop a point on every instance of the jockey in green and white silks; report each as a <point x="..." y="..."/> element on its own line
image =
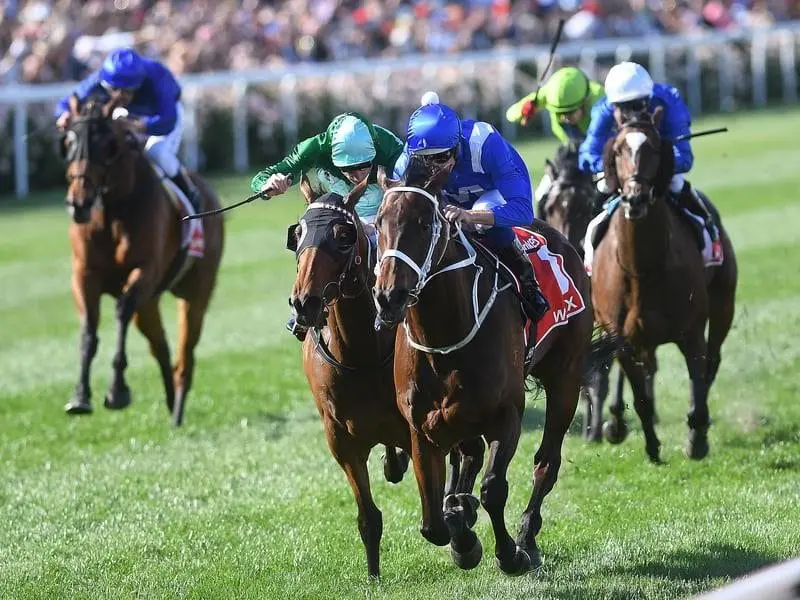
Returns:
<point x="568" y="96"/>
<point x="338" y="159"/>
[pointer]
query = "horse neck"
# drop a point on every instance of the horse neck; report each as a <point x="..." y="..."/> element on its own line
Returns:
<point x="642" y="245"/>
<point x="444" y="314"/>
<point x="351" y="321"/>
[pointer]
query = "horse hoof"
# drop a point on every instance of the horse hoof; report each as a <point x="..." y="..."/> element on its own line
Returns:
<point x="519" y="565"/>
<point x="593" y="435"/>
<point x="470" y="505"/>
<point x="468" y="560"/>
<point x="698" y="446"/>
<point x="118" y="399"/>
<point x="438" y="536"/>
<point x="615" y="432"/>
<point x="654" y="452"/>
<point x="78" y="406"/>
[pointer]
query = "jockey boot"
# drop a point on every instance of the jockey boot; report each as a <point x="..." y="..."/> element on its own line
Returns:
<point x="296" y="329"/>
<point x="689" y="199"/>
<point x="533" y="301"/>
<point x="185" y="183"/>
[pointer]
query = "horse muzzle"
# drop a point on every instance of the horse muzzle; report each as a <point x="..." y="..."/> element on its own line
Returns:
<point x="392" y="305"/>
<point x="80" y="213"/>
<point x="309" y="310"/>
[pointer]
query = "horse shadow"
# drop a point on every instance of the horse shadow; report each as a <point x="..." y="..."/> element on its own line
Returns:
<point x="716" y="561"/>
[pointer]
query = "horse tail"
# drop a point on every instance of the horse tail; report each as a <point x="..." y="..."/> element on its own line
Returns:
<point x="600" y="353"/>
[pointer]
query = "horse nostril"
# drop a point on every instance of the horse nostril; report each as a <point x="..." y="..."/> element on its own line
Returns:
<point x="392" y="299"/>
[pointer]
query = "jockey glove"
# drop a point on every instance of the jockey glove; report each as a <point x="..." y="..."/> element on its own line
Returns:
<point x="528" y="111"/>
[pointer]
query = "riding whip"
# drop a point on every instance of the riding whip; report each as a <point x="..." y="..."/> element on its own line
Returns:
<point x="553" y="45"/>
<point x="687" y="136"/>
<point x="223" y="209"/>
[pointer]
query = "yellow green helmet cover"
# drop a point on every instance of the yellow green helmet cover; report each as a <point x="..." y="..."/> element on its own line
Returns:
<point x="566" y="89"/>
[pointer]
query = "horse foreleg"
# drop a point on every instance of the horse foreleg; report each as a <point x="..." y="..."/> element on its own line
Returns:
<point x="119" y="394"/>
<point x="502" y="439"/>
<point x="562" y="392"/>
<point x="642" y="379"/>
<point x="190" y="326"/>
<point x="353" y="460"/>
<point x="694" y="352"/>
<point x="429" y="469"/>
<point x="86" y="292"/>
<point x="148" y="321"/>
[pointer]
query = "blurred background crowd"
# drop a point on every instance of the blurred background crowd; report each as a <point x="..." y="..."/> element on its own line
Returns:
<point x="56" y="40"/>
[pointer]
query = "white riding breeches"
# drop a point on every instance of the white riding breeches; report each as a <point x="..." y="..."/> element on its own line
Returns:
<point x="545" y="183"/>
<point x="676" y="183"/>
<point x="163" y="149"/>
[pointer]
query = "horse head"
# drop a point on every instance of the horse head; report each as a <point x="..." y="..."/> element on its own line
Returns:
<point x="93" y="147"/>
<point x="638" y="163"/>
<point x="413" y="230"/>
<point x="332" y="252"/>
<point x="569" y="203"/>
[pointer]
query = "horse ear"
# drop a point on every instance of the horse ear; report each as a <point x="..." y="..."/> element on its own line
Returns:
<point x="610" y="166"/>
<point x="550" y="169"/>
<point x="74" y="105"/>
<point x="306" y="189"/>
<point x="358" y="191"/>
<point x="384" y="180"/>
<point x="658" y="114"/>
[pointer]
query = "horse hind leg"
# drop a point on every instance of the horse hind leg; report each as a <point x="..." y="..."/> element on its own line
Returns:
<point x="191" y="314"/>
<point x="562" y="401"/>
<point x="595" y="394"/>
<point x="148" y="321"/>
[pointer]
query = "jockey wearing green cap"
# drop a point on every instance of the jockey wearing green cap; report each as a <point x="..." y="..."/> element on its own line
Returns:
<point x="338" y="159"/>
<point x="568" y="96"/>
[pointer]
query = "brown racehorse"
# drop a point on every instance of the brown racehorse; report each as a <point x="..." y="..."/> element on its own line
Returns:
<point x="568" y="208"/>
<point x="650" y="286"/>
<point x="348" y="364"/>
<point x="459" y="364"/>
<point x="126" y="242"/>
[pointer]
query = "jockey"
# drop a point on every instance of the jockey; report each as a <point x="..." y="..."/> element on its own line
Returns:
<point x="488" y="187"/>
<point x="630" y="88"/>
<point x="568" y="96"/>
<point x="151" y="94"/>
<point x="338" y="158"/>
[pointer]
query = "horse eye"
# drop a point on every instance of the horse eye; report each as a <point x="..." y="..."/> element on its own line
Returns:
<point x="344" y="234"/>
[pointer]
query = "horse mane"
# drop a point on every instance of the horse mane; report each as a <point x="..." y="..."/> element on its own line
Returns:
<point x="610" y="166"/>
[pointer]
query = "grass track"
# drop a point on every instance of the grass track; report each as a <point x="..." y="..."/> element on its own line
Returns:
<point x="246" y="501"/>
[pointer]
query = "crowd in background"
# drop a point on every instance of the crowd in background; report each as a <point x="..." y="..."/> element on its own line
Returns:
<point x="55" y="40"/>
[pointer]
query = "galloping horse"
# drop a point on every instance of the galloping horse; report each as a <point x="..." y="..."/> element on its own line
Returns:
<point x="569" y="204"/>
<point x="349" y="364"/>
<point x="126" y="241"/>
<point x="460" y="367"/>
<point x="650" y="286"/>
<point x="568" y="207"/>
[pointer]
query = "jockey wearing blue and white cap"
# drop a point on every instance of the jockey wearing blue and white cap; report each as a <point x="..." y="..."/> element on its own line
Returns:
<point x="488" y="187"/>
<point x="630" y="89"/>
<point x="151" y="95"/>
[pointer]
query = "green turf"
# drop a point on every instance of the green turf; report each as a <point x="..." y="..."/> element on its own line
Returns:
<point x="246" y="501"/>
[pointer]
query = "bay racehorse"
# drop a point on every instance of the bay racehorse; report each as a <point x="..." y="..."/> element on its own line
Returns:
<point x="568" y="207"/>
<point x="127" y="241"/>
<point x="460" y="362"/>
<point x="348" y="364"/>
<point x="650" y="286"/>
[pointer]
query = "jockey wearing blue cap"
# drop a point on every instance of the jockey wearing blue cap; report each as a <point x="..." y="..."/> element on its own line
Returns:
<point x="630" y="89"/>
<point x="488" y="187"/>
<point x="151" y="95"/>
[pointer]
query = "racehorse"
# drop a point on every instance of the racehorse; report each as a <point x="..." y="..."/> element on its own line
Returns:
<point x="569" y="204"/>
<point x="126" y="239"/>
<point x="348" y="364"/>
<point x="650" y="286"/>
<point x="460" y="367"/>
<point x="568" y="207"/>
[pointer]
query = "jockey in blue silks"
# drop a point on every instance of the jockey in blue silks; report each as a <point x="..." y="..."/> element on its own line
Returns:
<point x="151" y="95"/>
<point x="630" y="88"/>
<point x="488" y="187"/>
